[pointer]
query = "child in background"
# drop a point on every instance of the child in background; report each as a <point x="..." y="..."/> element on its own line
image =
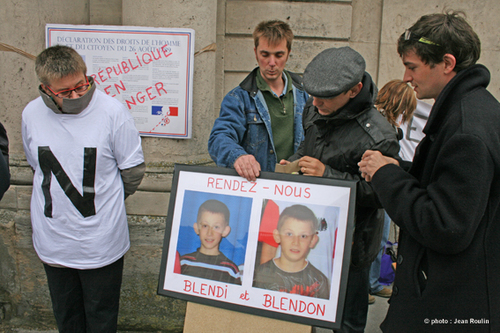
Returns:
<point x="397" y="102"/>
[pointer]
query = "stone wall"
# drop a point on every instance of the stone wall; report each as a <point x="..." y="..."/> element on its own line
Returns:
<point x="24" y="297"/>
<point x="369" y="26"/>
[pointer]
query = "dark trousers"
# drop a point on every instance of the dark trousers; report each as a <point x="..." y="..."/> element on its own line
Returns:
<point x="356" y="301"/>
<point x="85" y="300"/>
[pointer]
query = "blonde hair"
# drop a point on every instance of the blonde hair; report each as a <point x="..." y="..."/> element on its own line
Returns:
<point x="395" y="99"/>
<point x="274" y="31"/>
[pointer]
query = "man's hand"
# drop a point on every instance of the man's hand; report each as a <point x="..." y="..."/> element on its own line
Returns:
<point x="371" y="161"/>
<point x="311" y="166"/>
<point x="247" y="167"/>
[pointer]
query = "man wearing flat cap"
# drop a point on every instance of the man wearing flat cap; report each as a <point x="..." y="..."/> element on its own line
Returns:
<point x="340" y="123"/>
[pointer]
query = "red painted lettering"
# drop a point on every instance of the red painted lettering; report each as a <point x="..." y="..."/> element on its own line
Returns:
<point x="187" y="285"/>
<point x="146" y="61"/>
<point x="129" y="103"/>
<point x="159" y="86"/>
<point x="117" y="73"/>
<point x="194" y="288"/>
<point x="231" y="185"/>
<point x="140" y="97"/>
<point x="122" y="86"/>
<point x="274" y="306"/>
<point x="278" y="190"/>
<point x="210" y="182"/>
<point x="205" y="289"/>
<point x="302" y="306"/>
<point x="107" y="92"/>
<point x="151" y="97"/>
<point x="295" y="191"/>
<point x="125" y="67"/>
<point x="101" y="76"/>
<point x="293" y="305"/>
<point x="202" y="289"/>
<point x="132" y="66"/>
<point x="153" y="54"/>
<point x="95" y="78"/>
<point x="283" y="303"/>
<point x="267" y="300"/>
<point x="244" y="296"/>
<point x="108" y="71"/>
<point x="220" y="292"/>
<point x="320" y="309"/>
<point x="290" y="305"/>
<point x="139" y="61"/>
<point x="211" y="290"/>
<point x="165" y="51"/>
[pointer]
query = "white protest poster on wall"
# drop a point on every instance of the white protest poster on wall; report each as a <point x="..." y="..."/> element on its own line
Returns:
<point x="150" y="70"/>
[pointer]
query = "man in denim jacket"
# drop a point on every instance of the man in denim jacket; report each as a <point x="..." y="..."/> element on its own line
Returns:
<point x="260" y="121"/>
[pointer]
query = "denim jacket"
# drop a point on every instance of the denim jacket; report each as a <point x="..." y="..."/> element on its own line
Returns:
<point x="244" y="124"/>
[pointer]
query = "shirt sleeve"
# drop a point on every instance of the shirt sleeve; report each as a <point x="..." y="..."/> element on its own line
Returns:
<point x="228" y="131"/>
<point x="126" y="143"/>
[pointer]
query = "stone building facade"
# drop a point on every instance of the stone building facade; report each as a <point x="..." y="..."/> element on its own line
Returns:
<point x="369" y="26"/>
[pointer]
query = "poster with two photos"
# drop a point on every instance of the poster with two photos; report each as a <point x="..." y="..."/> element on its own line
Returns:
<point x="275" y="247"/>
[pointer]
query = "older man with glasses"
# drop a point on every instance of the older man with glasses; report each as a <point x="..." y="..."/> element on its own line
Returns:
<point x="87" y="157"/>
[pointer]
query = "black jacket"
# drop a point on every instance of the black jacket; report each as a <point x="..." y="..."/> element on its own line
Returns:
<point x="448" y="210"/>
<point x="339" y="141"/>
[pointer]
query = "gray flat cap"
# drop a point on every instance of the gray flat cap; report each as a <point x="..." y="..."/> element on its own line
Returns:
<point x="333" y="72"/>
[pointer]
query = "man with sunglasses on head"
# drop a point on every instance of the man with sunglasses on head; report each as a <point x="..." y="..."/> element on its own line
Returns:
<point x="87" y="158"/>
<point x="448" y="204"/>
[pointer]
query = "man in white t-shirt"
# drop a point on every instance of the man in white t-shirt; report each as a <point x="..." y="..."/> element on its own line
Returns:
<point x="87" y="157"/>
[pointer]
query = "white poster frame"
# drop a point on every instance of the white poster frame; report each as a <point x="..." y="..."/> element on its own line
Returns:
<point x="150" y="70"/>
<point x="245" y="200"/>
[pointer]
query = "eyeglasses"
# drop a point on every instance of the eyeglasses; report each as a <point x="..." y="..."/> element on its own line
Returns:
<point x="424" y="40"/>
<point x="78" y="89"/>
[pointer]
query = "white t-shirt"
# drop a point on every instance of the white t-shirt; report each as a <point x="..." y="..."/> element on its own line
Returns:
<point x="102" y="137"/>
<point x="412" y="131"/>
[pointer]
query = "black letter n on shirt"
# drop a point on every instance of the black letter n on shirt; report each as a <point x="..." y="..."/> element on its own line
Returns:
<point x="49" y="164"/>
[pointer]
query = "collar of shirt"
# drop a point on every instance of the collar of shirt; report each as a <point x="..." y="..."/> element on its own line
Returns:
<point x="263" y="86"/>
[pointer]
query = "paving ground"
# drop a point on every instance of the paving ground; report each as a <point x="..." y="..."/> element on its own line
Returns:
<point x="376" y="314"/>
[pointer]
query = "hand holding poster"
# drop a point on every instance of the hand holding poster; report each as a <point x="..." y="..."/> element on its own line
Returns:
<point x="150" y="70"/>
<point x="275" y="247"/>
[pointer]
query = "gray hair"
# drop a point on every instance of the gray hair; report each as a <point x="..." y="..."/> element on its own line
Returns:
<point x="57" y="62"/>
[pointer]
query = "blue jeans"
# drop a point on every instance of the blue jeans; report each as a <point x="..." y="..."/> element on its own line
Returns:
<point x="375" y="286"/>
<point x="85" y="300"/>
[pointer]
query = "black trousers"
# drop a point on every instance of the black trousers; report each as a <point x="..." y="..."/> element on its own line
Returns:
<point x="356" y="301"/>
<point x="85" y="300"/>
